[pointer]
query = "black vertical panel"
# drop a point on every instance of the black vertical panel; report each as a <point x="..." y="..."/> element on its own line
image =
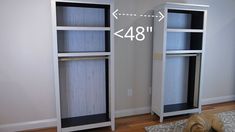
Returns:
<point x="197" y="20"/>
<point x="107" y="85"/>
<point x="107" y="16"/>
<point x="107" y="24"/>
<point x="107" y="49"/>
<point x="196" y="41"/>
<point x="107" y="41"/>
<point x="191" y="80"/>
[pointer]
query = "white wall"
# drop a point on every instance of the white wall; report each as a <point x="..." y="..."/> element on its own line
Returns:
<point x="219" y="80"/>
<point x="26" y="75"/>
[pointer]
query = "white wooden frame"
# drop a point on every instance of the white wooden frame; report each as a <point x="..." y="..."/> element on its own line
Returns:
<point x="160" y="53"/>
<point x="109" y="54"/>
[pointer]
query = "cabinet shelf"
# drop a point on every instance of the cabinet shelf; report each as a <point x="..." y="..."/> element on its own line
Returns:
<point x="177" y="107"/>
<point x="186" y="19"/>
<point x="87" y="54"/>
<point x="74" y="28"/>
<point x="82" y="14"/>
<point x="84" y="120"/>
<point x="185" y="30"/>
<point x="184" y="41"/>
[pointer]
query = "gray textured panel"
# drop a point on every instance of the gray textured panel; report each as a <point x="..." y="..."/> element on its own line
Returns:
<point x="178" y="41"/>
<point x="179" y="20"/>
<point x="176" y="80"/>
<point x="81" y="41"/>
<point x="82" y="87"/>
<point x="80" y="16"/>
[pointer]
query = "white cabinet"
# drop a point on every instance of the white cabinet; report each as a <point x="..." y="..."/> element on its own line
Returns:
<point x="178" y="55"/>
<point x="83" y="64"/>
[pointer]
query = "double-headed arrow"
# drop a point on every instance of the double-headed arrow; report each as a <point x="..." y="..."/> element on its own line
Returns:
<point x="116" y="13"/>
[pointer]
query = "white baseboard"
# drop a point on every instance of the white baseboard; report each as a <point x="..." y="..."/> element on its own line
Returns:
<point x="218" y="100"/>
<point x="130" y="112"/>
<point x="28" y="125"/>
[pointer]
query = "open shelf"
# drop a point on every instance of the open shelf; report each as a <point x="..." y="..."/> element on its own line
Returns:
<point x="83" y="41"/>
<point x="84" y="120"/>
<point x="82" y="15"/>
<point x="181" y="82"/>
<point x="83" y="28"/>
<point x="178" y="107"/>
<point x="184" y="41"/>
<point x="185" y="19"/>
<point x="84" y="86"/>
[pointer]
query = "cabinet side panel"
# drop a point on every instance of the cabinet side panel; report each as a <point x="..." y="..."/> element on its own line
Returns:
<point x="55" y="62"/>
<point x="158" y="64"/>
<point x="111" y="69"/>
<point x="202" y="59"/>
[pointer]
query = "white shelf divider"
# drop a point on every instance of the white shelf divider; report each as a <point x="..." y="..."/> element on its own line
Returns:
<point x="185" y="30"/>
<point x="83" y="28"/>
<point x="84" y="54"/>
<point x="183" y="51"/>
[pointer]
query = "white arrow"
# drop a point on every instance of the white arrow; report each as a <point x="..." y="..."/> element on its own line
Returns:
<point x="161" y="16"/>
<point x="117" y="33"/>
<point x="115" y="14"/>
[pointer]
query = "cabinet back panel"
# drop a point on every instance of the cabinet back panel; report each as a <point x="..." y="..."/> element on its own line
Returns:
<point x="184" y="41"/>
<point x="83" y="87"/>
<point x="80" y="16"/>
<point x="176" y="80"/>
<point x="178" y="41"/>
<point x="81" y="41"/>
<point x="179" y="20"/>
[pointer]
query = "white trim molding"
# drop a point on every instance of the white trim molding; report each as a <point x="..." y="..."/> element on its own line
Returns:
<point x="131" y="112"/>
<point x="28" y="125"/>
<point x="218" y="100"/>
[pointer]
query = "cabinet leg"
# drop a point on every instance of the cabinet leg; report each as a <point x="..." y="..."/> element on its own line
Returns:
<point x="152" y="113"/>
<point x="161" y="119"/>
<point x="113" y="127"/>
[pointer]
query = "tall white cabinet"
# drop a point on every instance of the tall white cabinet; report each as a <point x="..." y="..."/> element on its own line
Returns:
<point x="84" y="64"/>
<point x="178" y="55"/>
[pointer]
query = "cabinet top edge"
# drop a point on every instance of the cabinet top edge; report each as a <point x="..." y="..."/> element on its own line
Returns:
<point x="174" y="5"/>
<point x="83" y="2"/>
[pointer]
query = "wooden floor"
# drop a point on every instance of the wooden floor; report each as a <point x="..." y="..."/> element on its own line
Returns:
<point x="137" y="123"/>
